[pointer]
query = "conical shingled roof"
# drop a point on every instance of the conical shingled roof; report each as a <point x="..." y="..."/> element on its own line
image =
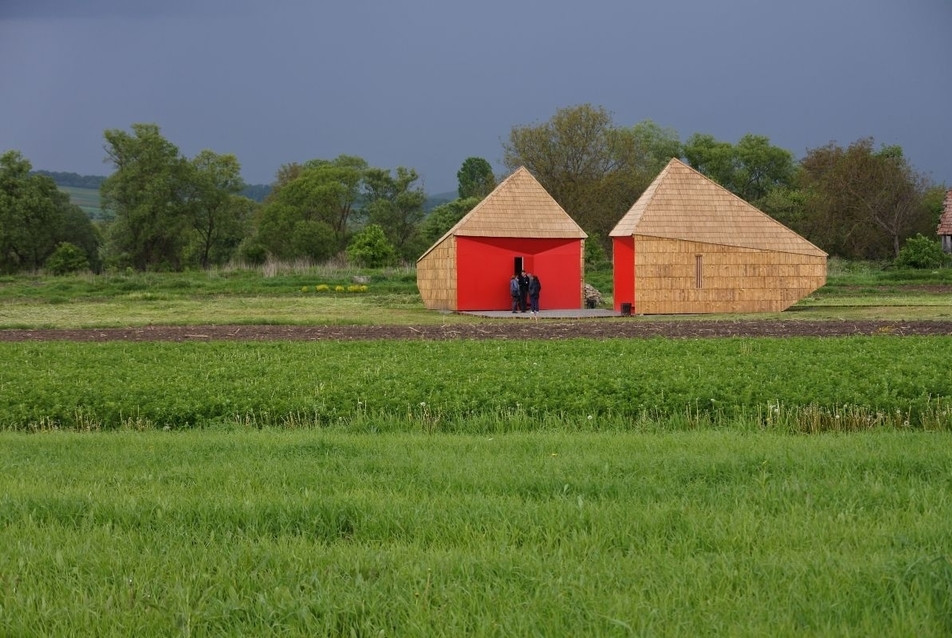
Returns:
<point x="681" y="203"/>
<point x="518" y="207"/>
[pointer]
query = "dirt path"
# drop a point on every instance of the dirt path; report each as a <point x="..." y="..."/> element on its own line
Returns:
<point x="544" y="329"/>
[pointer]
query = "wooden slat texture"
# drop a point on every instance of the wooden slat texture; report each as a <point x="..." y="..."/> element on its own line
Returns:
<point x="681" y="203"/>
<point x="734" y="280"/>
<point x="701" y="249"/>
<point x="436" y="276"/>
<point x="518" y="207"/>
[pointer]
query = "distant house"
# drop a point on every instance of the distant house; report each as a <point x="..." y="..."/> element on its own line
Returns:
<point x="945" y="224"/>
<point x="689" y="245"/>
<point x="516" y="227"/>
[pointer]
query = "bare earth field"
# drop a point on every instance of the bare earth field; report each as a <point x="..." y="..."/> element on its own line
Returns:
<point x="633" y="328"/>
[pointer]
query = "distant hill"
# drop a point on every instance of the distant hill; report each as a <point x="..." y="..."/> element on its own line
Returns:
<point x="88" y="200"/>
<point x="83" y="191"/>
<point x="75" y="184"/>
<point x="256" y="192"/>
<point x="434" y="200"/>
<point x="73" y="179"/>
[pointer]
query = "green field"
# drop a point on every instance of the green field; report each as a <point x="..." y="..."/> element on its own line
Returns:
<point x="307" y="533"/>
<point x="289" y="294"/>
<point x="612" y="487"/>
<point x="85" y="198"/>
<point x="790" y="384"/>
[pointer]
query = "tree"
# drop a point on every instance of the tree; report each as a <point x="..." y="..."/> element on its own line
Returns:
<point x="475" y="178"/>
<point x="219" y="216"/>
<point x="325" y="191"/>
<point x="864" y="202"/>
<point x="35" y="217"/>
<point x="444" y="217"/>
<point x="148" y="194"/>
<point x="593" y="169"/>
<point x="77" y="229"/>
<point x="751" y="169"/>
<point x="658" y="146"/>
<point x="29" y="215"/>
<point x="933" y="203"/>
<point x="396" y="205"/>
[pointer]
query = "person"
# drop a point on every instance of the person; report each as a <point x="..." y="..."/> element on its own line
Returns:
<point x="535" y="287"/>
<point x="515" y="293"/>
<point x="524" y="291"/>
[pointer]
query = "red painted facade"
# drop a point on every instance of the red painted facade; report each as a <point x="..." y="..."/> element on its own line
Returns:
<point x="485" y="264"/>
<point x="623" y="271"/>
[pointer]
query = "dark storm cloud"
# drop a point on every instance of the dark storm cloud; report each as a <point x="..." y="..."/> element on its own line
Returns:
<point x="93" y="9"/>
<point x="428" y="83"/>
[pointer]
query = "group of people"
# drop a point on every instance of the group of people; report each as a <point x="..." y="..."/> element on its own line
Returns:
<point x="524" y="289"/>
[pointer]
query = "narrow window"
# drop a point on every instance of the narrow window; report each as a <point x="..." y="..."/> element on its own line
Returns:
<point x="698" y="267"/>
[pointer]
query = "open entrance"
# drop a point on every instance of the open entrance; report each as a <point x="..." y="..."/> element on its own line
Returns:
<point x="517" y="266"/>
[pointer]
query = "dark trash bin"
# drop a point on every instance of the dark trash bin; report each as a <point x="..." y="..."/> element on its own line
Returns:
<point x="626" y="309"/>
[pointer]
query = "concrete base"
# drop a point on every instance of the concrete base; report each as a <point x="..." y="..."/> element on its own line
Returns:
<point x="581" y="313"/>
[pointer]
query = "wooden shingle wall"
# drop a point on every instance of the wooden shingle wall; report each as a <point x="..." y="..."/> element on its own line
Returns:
<point x="732" y="279"/>
<point x="436" y="276"/>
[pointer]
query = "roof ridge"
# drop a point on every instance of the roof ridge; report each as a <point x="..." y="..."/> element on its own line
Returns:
<point x="678" y="205"/>
<point x="531" y="196"/>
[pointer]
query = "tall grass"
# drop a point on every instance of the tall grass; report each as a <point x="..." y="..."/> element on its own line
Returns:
<point x="334" y="534"/>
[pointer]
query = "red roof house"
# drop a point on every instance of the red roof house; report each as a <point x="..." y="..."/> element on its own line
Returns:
<point x="945" y="224"/>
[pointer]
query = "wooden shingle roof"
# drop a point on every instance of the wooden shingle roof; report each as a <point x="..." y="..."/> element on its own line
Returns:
<point x="945" y="222"/>
<point x="681" y="203"/>
<point x="518" y="207"/>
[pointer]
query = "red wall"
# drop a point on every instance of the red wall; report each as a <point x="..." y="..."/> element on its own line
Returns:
<point x="484" y="266"/>
<point x="623" y="267"/>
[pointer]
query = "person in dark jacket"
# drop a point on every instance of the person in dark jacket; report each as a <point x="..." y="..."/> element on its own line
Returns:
<point x="524" y="291"/>
<point x="535" y="287"/>
<point x="515" y="293"/>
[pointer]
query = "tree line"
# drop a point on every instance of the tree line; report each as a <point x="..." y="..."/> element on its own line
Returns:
<point x="256" y="192"/>
<point x="170" y="212"/>
<point x="858" y="202"/>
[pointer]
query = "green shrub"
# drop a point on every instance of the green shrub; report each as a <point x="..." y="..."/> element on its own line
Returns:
<point x="921" y="252"/>
<point x="370" y="249"/>
<point x="253" y="252"/>
<point x="594" y="253"/>
<point x="66" y="259"/>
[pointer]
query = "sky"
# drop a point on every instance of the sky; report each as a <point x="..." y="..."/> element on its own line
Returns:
<point x="428" y="83"/>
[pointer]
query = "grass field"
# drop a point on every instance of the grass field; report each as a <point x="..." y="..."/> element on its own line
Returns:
<point x="289" y="294"/>
<point x="540" y="534"/>
<point x="85" y="198"/>
<point x="741" y="487"/>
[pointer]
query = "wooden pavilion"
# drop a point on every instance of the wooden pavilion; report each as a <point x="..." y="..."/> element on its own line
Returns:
<point x="516" y="227"/>
<point x="689" y="245"/>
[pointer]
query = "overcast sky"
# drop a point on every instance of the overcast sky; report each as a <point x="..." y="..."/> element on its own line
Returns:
<point x="427" y="83"/>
